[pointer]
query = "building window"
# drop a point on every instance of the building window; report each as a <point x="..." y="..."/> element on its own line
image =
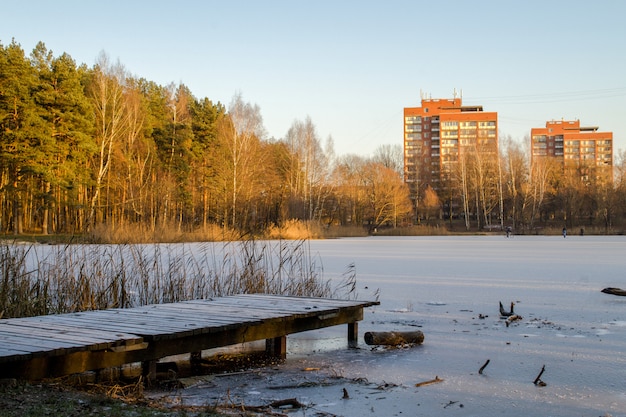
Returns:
<point x="413" y="128"/>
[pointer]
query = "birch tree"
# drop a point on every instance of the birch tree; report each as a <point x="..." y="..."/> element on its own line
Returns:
<point x="515" y="180"/>
<point x="240" y="134"/>
<point x="308" y="168"/>
<point x="107" y="96"/>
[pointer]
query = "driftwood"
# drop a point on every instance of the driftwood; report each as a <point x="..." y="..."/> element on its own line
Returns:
<point x="614" y="291"/>
<point x="394" y="338"/>
<point x="429" y="382"/>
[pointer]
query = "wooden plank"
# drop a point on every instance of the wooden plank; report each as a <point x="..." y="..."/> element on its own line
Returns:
<point x="107" y="324"/>
<point x="146" y="331"/>
<point x="234" y="313"/>
<point x="286" y="310"/>
<point x="37" y="345"/>
<point x="167" y="328"/>
<point x="52" y="338"/>
<point x="297" y="303"/>
<point x="26" y="333"/>
<point x="301" y="299"/>
<point x="56" y="326"/>
<point x="198" y="317"/>
<point x="308" y="301"/>
<point x="93" y="341"/>
<point x="178" y="319"/>
<point x="201" y="308"/>
<point x="64" y="322"/>
<point x="124" y="320"/>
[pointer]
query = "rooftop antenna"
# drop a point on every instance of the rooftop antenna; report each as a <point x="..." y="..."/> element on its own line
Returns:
<point x="454" y="94"/>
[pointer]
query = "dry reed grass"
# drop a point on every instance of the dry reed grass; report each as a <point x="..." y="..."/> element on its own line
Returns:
<point x="294" y="230"/>
<point x="50" y="279"/>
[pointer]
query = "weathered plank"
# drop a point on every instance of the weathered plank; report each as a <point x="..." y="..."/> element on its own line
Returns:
<point x="77" y="335"/>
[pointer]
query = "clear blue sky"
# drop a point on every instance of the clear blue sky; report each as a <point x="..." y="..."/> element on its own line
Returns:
<point x="352" y="66"/>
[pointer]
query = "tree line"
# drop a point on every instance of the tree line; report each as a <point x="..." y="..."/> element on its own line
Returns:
<point x="84" y="147"/>
<point x="484" y="190"/>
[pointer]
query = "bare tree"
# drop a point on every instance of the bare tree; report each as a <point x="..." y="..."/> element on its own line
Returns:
<point x="540" y="174"/>
<point x="241" y="138"/>
<point x="390" y="156"/>
<point x="515" y="179"/>
<point x="107" y="95"/>
<point x="308" y="168"/>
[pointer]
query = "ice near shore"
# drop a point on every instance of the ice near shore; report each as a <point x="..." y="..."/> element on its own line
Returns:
<point x="450" y="288"/>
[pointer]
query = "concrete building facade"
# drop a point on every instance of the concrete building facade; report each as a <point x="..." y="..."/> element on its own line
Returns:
<point x="437" y="135"/>
<point x="573" y="145"/>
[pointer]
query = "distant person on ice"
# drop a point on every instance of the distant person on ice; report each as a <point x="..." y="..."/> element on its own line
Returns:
<point x="508" y="231"/>
<point x="564" y="232"/>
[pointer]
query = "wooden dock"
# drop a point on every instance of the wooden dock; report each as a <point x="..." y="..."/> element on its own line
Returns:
<point x="56" y="345"/>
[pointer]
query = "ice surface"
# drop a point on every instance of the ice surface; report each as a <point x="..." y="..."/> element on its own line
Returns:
<point x="450" y="288"/>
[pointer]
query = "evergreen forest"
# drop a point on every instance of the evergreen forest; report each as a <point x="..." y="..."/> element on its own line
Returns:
<point x="98" y="150"/>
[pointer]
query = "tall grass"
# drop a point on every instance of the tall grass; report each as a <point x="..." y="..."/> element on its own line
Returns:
<point x="50" y="279"/>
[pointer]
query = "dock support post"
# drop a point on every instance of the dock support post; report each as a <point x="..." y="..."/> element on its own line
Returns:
<point x="353" y="334"/>
<point x="149" y="370"/>
<point x="276" y="347"/>
<point x="195" y="360"/>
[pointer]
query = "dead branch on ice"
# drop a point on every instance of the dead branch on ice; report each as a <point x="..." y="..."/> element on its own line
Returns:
<point x="482" y="368"/>
<point x="538" y="380"/>
<point x="429" y="382"/>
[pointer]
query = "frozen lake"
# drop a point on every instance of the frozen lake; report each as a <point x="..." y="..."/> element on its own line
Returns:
<point x="450" y="287"/>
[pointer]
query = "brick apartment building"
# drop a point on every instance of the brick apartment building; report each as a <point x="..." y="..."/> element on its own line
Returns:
<point x="438" y="134"/>
<point x="574" y="146"/>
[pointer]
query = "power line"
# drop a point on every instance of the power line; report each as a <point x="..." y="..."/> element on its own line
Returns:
<point x="581" y="95"/>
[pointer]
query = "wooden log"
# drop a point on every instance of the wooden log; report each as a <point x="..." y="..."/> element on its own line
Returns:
<point x="394" y="338"/>
<point x="614" y="291"/>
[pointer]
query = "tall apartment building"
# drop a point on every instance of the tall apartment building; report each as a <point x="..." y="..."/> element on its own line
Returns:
<point x="438" y="134"/>
<point x="573" y="145"/>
